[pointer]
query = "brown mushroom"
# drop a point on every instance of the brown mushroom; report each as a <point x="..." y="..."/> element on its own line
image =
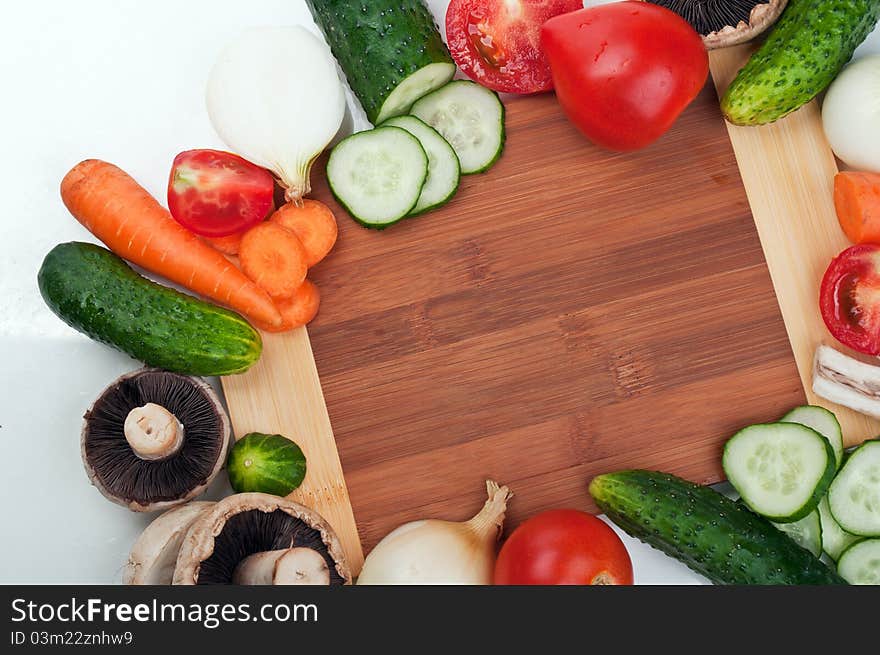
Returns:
<point x="255" y="538"/>
<point x="155" y="439"/>
<point x="724" y="23"/>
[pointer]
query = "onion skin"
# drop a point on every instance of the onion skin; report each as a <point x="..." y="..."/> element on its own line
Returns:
<point x="851" y="114"/>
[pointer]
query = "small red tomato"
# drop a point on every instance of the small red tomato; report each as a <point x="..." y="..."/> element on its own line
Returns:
<point x="624" y="72"/>
<point x="850" y="298"/>
<point x="497" y="42"/>
<point x="563" y="547"/>
<point x="215" y="194"/>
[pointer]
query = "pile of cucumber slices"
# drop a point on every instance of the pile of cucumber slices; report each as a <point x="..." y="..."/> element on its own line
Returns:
<point x="796" y="474"/>
<point x="411" y="164"/>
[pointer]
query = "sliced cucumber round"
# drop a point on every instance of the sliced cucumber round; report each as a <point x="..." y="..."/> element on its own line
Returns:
<point x="444" y="170"/>
<point x="835" y="539"/>
<point x="781" y="470"/>
<point x="806" y="533"/>
<point x="854" y="497"/>
<point x="425" y="80"/>
<point x="823" y="422"/>
<point x="860" y="563"/>
<point x="378" y="175"/>
<point x="471" y="118"/>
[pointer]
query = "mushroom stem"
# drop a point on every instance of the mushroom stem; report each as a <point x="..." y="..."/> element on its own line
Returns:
<point x="153" y="432"/>
<point x="290" y="566"/>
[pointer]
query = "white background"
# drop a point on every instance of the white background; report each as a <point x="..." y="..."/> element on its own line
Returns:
<point x="120" y="80"/>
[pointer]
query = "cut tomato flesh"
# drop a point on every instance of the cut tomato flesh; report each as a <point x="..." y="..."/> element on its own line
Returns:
<point x="850" y="298"/>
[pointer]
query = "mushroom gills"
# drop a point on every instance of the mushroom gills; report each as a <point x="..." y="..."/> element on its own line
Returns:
<point x="292" y="566"/>
<point x="726" y="22"/>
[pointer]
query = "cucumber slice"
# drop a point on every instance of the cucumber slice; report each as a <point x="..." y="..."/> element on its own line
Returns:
<point x="823" y="422"/>
<point x="444" y="170"/>
<point x="378" y="175"/>
<point x="471" y="118"/>
<point x="835" y="539"/>
<point x="781" y="470"/>
<point x="854" y="497"/>
<point x="860" y="563"/>
<point x="806" y="533"/>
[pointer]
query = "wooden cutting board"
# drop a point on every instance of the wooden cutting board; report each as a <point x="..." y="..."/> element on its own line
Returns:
<point x="571" y="312"/>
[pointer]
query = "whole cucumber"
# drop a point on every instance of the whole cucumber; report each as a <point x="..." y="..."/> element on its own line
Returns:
<point x="97" y="293"/>
<point x="706" y="530"/>
<point x="390" y="50"/>
<point x="808" y="47"/>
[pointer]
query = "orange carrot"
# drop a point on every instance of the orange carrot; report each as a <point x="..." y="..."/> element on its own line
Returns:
<point x="274" y="258"/>
<point x="857" y="199"/>
<point x="228" y="245"/>
<point x="297" y="311"/>
<point x="117" y="210"/>
<point x="313" y="222"/>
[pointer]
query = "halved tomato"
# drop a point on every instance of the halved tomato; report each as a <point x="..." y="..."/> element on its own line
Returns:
<point x="497" y="43"/>
<point x="850" y="298"/>
<point x="215" y="194"/>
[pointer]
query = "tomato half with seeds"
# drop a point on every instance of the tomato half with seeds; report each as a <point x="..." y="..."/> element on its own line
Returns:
<point x="497" y="43"/>
<point x="563" y="547"/>
<point x="850" y="298"/>
<point x="215" y="194"/>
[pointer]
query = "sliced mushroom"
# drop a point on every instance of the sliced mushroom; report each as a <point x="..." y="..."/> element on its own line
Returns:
<point x="153" y="556"/>
<point x="846" y="381"/>
<point x="724" y="23"/>
<point x="255" y="538"/>
<point x="155" y="439"/>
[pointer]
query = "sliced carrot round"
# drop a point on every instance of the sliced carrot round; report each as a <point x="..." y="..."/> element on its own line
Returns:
<point x="298" y="310"/>
<point x="313" y="222"/>
<point x="274" y="258"/>
<point x="228" y="245"/>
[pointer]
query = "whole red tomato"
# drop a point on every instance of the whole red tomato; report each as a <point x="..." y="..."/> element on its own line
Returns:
<point x="624" y="72"/>
<point x="563" y="547"/>
<point x="850" y="298"/>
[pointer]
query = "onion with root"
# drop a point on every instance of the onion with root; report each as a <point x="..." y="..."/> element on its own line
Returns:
<point x="440" y="552"/>
<point x="275" y="98"/>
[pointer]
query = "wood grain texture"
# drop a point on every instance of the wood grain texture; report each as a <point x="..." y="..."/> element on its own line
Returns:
<point x="571" y="312"/>
<point x="788" y="170"/>
<point x="282" y="394"/>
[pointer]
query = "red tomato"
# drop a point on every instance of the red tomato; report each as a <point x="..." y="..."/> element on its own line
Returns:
<point x="497" y="42"/>
<point x="625" y="71"/>
<point x="563" y="547"/>
<point x="850" y="298"/>
<point x="216" y="194"/>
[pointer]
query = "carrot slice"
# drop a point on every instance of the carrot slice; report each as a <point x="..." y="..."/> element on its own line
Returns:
<point x="228" y="245"/>
<point x="274" y="258"/>
<point x="298" y="310"/>
<point x="857" y="200"/>
<point x="315" y="225"/>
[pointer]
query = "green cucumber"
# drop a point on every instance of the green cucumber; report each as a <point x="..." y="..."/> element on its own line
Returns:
<point x="835" y="539"/>
<point x="806" y="533"/>
<point x="854" y="496"/>
<point x="97" y="293"/>
<point x="781" y="470"/>
<point x="808" y="47"/>
<point x="390" y="50"/>
<point x="712" y="534"/>
<point x="266" y="463"/>
<point x="860" y="563"/>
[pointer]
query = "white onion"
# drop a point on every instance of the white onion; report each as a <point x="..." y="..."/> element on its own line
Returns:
<point x="851" y="114"/>
<point x="275" y="98"/>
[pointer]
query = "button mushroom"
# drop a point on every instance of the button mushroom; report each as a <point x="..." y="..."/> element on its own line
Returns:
<point x="724" y="23"/>
<point x="257" y="539"/>
<point x="154" y="555"/>
<point x="155" y="439"/>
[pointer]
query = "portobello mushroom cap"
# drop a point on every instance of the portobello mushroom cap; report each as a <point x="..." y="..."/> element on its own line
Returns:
<point x="255" y="538"/>
<point x="154" y="554"/>
<point x="154" y="439"/>
<point x="724" y="23"/>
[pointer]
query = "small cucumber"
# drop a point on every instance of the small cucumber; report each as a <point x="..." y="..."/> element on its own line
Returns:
<point x="808" y="47"/>
<point x="706" y="530"/>
<point x="781" y="470"/>
<point x="854" y="497"/>
<point x="97" y="293"/>
<point x="266" y="463"/>
<point x="860" y="563"/>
